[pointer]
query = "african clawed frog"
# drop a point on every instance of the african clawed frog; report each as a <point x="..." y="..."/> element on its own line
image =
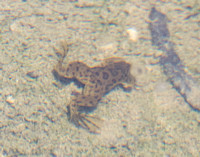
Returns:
<point x="97" y="81"/>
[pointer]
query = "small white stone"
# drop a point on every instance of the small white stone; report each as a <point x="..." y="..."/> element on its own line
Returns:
<point x="10" y="99"/>
<point x="19" y="128"/>
<point x="133" y="34"/>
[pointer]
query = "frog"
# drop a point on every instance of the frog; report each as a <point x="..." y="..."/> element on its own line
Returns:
<point x="97" y="80"/>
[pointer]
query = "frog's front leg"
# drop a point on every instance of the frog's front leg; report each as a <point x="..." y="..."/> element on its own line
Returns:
<point x="62" y="53"/>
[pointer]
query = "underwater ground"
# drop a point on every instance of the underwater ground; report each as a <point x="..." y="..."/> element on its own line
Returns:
<point x="152" y="119"/>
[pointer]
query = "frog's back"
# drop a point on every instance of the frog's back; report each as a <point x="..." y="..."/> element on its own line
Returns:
<point x="117" y="70"/>
<point x="110" y="74"/>
<point x="80" y="71"/>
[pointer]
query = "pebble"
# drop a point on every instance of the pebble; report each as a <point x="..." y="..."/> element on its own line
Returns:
<point x="88" y="3"/>
<point x="133" y="34"/>
<point x="10" y="99"/>
<point x="19" y="128"/>
<point x="33" y="74"/>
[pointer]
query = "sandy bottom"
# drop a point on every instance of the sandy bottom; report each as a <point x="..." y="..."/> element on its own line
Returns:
<point x="151" y="120"/>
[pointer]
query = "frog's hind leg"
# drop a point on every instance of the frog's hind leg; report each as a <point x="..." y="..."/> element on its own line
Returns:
<point x="91" y="123"/>
<point x="88" y="122"/>
<point x="87" y="100"/>
<point x="84" y="120"/>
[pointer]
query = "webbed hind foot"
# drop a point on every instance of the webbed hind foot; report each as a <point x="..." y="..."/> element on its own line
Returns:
<point x="88" y="122"/>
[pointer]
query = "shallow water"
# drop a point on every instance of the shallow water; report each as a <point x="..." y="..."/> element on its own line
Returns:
<point x="151" y="120"/>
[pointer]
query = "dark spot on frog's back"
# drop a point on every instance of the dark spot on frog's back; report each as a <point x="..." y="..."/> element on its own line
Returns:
<point x="114" y="81"/>
<point x="67" y="70"/>
<point x="105" y="75"/>
<point x="97" y="73"/>
<point x="99" y="82"/>
<point x="77" y="68"/>
<point x="113" y="72"/>
<point x="80" y="74"/>
<point x="108" y="87"/>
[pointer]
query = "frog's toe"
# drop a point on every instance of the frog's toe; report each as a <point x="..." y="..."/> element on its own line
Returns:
<point x="90" y="123"/>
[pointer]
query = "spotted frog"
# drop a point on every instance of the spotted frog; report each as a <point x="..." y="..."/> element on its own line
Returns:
<point x="97" y="80"/>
